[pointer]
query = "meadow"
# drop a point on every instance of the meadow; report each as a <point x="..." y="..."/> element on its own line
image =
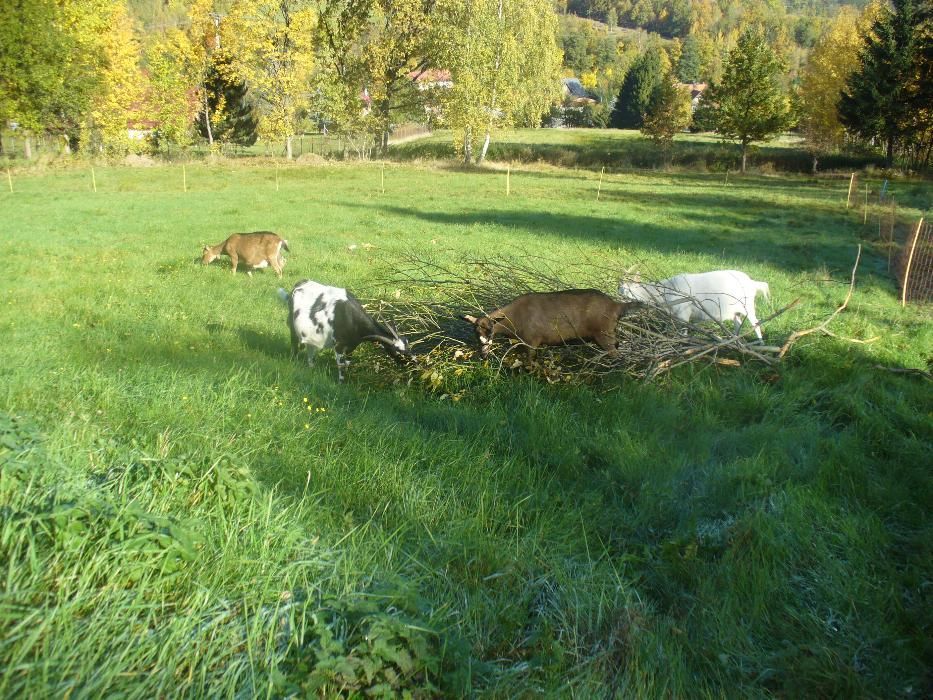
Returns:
<point x="189" y="512"/>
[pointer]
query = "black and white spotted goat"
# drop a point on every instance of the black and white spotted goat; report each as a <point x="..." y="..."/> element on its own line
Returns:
<point x="322" y="317"/>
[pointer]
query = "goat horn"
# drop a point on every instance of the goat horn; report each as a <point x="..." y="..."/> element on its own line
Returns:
<point x="380" y="338"/>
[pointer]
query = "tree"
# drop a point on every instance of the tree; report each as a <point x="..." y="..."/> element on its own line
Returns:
<point x="171" y="102"/>
<point x="690" y="65"/>
<point x="50" y="58"/>
<point x="832" y="61"/>
<point x="669" y="112"/>
<point x="398" y="47"/>
<point x="228" y="115"/>
<point x="883" y="94"/>
<point x="504" y="64"/>
<point x="750" y="104"/>
<point x="121" y="85"/>
<point x="270" y="47"/>
<point x="643" y="77"/>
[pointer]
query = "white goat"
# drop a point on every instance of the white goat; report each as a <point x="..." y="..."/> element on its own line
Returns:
<point x="720" y="296"/>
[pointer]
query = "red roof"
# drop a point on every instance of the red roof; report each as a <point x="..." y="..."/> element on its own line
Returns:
<point x="431" y="75"/>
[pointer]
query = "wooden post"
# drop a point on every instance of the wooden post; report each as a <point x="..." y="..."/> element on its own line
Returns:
<point x="508" y="176"/>
<point x="276" y="177"/>
<point x="600" y="186"/>
<point x="93" y="179"/>
<point x="910" y="259"/>
<point x="382" y="174"/>
<point x="9" y="179"/>
<point x="184" y="178"/>
<point x="849" y="195"/>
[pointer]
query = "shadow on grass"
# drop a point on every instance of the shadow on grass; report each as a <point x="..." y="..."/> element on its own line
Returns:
<point x="629" y="150"/>
<point x="758" y="232"/>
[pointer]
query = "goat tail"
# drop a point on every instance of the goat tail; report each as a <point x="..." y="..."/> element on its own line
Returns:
<point x="283" y="295"/>
<point x="763" y="288"/>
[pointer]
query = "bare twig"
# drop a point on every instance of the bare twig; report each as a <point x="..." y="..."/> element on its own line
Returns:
<point x="822" y="327"/>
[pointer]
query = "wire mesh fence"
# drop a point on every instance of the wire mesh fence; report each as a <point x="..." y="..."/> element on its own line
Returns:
<point x="913" y="266"/>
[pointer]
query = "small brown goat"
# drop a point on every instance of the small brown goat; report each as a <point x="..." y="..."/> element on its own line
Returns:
<point x="254" y="250"/>
<point x="553" y="318"/>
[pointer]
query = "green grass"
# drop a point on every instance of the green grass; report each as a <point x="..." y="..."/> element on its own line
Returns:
<point x="620" y="150"/>
<point x="188" y="512"/>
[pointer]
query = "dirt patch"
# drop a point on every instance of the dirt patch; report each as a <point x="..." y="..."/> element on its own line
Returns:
<point x="138" y="161"/>
<point x="311" y="159"/>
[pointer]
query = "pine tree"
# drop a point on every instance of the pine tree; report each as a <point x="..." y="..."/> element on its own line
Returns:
<point x="876" y="101"/>
<point x="643" y="77"/>
<point x="749" y="104"/>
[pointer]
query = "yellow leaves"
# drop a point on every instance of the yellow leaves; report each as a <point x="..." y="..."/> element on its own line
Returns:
<point x="831" y="62"/>
<point x="270" y="45"/>
<point x="121" y="82"/>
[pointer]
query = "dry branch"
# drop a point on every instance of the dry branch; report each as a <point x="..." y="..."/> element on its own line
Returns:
<point x="427" y="299"/>
<point x="822" y="328"/>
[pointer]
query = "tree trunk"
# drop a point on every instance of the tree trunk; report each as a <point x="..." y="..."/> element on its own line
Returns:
<point x="288" y="147"/>
<point x="27" y="148"/>
<point x="207" y="120"/>
<point x="744" y="156"/>
<point x="889" y="154"/>
<point x="467" y="146"/>
<point x="482" y="153"/>
<point x="816" y="162"/>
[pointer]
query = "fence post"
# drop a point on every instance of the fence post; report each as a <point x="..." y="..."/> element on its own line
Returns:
<point x="910" y="259"/>
<point x="9" y="179"/>
<point x="849" y="195"/>
<point x="600" y="186"/>
<point x="93" y="179"/>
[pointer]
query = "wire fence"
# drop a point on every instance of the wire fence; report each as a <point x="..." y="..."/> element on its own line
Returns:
<point x="913" y="266"/>
<point x="22" y="146"/>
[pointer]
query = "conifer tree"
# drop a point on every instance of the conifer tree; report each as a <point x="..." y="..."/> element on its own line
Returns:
<point x="232" y="117"/>
<point x="878" y="100"/>
<point x="635" y="95"/>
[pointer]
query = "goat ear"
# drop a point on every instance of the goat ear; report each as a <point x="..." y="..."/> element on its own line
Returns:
<point x="470" y="319"/>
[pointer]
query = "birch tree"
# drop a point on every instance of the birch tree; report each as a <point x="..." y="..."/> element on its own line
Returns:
<point x="270" y="45"/>
<point x="505" y="66"/>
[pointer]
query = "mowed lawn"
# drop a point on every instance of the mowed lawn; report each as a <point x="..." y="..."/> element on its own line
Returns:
<point x="186" y="511"/>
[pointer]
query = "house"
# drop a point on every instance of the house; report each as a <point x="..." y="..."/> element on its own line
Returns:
<point x="696" y="91"/>
<point x="575" y="94"/>
<point x="431" y="78"/>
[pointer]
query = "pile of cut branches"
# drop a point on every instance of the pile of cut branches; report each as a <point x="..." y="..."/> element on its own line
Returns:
<point x="427" y="300"/>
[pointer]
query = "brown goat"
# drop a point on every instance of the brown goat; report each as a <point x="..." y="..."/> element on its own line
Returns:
<point x="553" y="318"/>
<point x="254" y="250"/>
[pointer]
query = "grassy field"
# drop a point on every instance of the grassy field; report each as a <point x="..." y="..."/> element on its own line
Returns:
<point x="623" y="150"/>
<point x="188" y="512"/>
